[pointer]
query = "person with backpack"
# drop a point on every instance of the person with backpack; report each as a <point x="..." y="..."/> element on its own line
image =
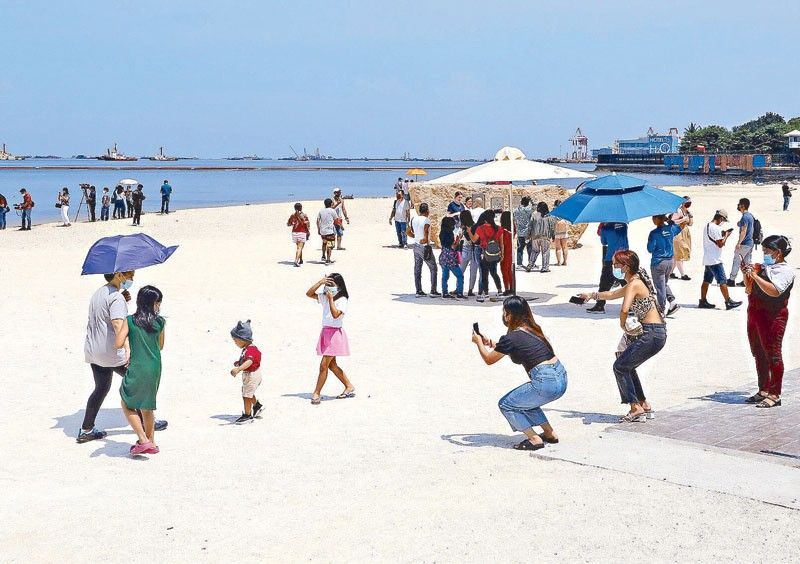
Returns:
<point x="491" y="242"/>
<point x="743" y="252"/>
<point x="714" y="239"/>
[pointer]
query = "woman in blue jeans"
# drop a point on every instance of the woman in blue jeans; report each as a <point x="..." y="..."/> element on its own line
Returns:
<point x="526" y="344"/>
<point x="643" y="337"/>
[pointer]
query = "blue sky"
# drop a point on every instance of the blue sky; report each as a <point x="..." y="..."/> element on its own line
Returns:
<point x="435" y="78"/>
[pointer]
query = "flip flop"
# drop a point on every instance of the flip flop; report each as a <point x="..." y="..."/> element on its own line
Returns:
<point x="628" y="418"/>
<point x="528" y="445"/>
<point x="345" y="395"/>
<point x="549" y="441"/>
<point x="316" y="401"/>
<point x="755" y="398"/>
<point x="769" y="402"/>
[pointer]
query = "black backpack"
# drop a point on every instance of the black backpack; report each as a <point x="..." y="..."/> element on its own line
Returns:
<point x="758" y="235"/>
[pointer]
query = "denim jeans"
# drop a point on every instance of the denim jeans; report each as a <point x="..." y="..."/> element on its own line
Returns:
<point x="400" y="227"/>
<point x="456" y="270"/>
<point x="103" y="213"/>
<point x="26" y="219"/>
<point x="2" y="218"/>
<point x="522" y="244"/>
<point x="522" y="406"/>
<point x="471" y="256"/>
<point x="786" y="200"/>
<point x="637" y="353"/>
<point x="164" y="204"/>
<point x="660" y="274"/>
<point x="743" y="255"/>
<point x="419" y="258"/>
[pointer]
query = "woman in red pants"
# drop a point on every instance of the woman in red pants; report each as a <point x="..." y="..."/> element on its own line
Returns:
<point x="506" y="265"/>
<point x="768" y="286"/>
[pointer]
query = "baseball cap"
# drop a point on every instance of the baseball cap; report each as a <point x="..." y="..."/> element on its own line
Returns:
<point x="723" y="214"/>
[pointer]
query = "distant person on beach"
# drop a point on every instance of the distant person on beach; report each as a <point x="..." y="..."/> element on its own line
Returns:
<point x="423" y="251"/>
<point x="561" y="238"/>
<point x="331" y="293"/>
<point x="4" y="209"/>
<point x="714" y="239"/>
<point x="166" y="193"/>
<point x="326" y="229"/>
<point x="787" y="190"/>
<point x="643" y="327"/>
<point x="63" y="204"/>
<point x="91" y="202"/>
<point x="143" y="336"/>
<point x="400" y="216"/>
<point x="543" y="231"/>
<point x="399" y="184"/>
<point x="470" y="250"/>
<point x="613" y="237"/>
<point x="341" y="217"/>
<point x="522" y="222"/>
<point x="26" y="207"/>
<point x="137" y="199"/>
<point x="506" y="265"/>
<point x="105" y="203"/>
<point x="526" y="344"/>
<point x="768" y="287"/>
<point x="128" y="201"/>
<point x="660" y="244"/>
<point x="119" y="203"/>
<point x="491" y="242"/>
<point x="108" y="313"/>
<point x="682" y="244"/>
<point x="301" y="229"/>
<point x="743" y="251"/>
<point x="249" y="365"/>
<point x="448" y="258"/>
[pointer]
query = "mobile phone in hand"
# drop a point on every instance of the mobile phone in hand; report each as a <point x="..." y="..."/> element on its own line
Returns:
<point x="476" y="330"/>
<point x="577" y="300"/>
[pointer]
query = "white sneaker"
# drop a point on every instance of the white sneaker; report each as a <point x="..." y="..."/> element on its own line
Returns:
<point x="480" y="298"/>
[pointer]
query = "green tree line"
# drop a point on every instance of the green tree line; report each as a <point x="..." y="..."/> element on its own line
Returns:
<point x="762" y="135"/>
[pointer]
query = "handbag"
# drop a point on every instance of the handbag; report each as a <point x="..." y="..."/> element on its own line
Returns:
<point x="58" y="205"/>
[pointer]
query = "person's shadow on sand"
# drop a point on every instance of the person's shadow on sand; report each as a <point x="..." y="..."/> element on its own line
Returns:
<point x="480" y="440"/>
<point x="589" y="417"/>
<point x="110" y="420"/>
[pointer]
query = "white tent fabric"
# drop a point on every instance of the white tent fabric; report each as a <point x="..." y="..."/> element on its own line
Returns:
<point x="128" y="182"/>
<point x="509" y="165"/>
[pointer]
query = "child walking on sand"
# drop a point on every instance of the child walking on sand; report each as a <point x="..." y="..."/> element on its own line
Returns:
<point x="249" y="364"/>
<point x="143" y="337"/>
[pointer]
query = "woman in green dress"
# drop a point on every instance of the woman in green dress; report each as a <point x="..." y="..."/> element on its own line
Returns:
<point x="143" y="337"/>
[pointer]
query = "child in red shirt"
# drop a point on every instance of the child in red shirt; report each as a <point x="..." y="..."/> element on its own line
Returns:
<point x="249" y="364"/>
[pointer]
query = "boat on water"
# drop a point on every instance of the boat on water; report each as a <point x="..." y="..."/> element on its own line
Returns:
<point x="161" y="156"/>
<point x="6" y="156"/>
<point x="115" y="155"/>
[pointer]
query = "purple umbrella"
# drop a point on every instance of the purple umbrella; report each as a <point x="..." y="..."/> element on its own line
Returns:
<point x="122" y="253"/>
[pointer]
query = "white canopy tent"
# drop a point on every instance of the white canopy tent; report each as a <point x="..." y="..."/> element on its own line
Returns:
<point x="509" y="165"/>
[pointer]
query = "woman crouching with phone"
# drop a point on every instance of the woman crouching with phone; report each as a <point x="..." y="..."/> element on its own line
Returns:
<point x="526" y="344"/>
<point x="331" y="293"/>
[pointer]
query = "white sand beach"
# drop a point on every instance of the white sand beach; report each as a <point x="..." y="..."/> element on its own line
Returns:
<point x="417" y="467"/>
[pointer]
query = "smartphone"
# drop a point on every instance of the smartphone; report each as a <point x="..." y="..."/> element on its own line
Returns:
<point x="475" y="329"/>
<point x="577" y="300"/>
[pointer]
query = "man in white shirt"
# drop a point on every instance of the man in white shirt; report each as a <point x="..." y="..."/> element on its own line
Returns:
<point x="477" y="209"/>
<point x="401" y="212"/>
<point x="325" y="228"/>
<point x="423" y="252"/>
<point x="714" y="239"/>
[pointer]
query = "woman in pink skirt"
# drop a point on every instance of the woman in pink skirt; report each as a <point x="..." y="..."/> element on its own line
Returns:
<point x="331" y="293"/>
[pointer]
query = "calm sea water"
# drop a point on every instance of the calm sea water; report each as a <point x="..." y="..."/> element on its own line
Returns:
<point x="212" y="188"/>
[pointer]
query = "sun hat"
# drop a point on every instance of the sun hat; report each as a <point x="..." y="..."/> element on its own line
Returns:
<point x="723" y="214"/>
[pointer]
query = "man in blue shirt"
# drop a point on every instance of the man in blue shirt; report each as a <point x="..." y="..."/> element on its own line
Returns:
<point x="166" y="192"/>
<point x="614" y="237"/>
<point x="660" y="245"/>
<point x="743" y="252"/>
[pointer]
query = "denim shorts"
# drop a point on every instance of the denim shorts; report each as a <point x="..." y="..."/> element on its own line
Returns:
<point x="339" y="230"/>
<point x="714" y="272"/>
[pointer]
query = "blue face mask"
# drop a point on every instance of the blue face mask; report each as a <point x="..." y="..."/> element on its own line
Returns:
<point x="618" y="273"/>
<point x="768" y="260"/>
<point x="126" y="285"/>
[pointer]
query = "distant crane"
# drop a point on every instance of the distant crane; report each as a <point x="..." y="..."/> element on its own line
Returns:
<point x="580" y="146"/>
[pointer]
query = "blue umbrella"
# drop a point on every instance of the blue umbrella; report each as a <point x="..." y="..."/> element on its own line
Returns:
<point x="616" y="197"/>
<point x="122" y="253"/>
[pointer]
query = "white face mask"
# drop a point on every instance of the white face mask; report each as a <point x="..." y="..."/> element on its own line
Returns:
<point x="126" y="284"/>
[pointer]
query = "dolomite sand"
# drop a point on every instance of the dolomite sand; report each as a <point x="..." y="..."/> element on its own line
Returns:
<point x="416" y="468"/>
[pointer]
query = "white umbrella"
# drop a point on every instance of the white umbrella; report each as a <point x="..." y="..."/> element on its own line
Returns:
<point x="509" y="165"/>
<point x="128" y="182"/>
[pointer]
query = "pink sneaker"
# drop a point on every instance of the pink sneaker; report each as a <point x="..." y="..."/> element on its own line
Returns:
<point x="153" y="450"/>
<point x="141" y="448"/>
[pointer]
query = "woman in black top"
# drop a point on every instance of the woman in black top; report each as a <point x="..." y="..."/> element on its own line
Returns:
<point x="526" y="344"/>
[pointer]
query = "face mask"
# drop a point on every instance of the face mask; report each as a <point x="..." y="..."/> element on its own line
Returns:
<point x="618" y="273"/>
<point x="126" y="285"/>
<point x="768" y="260"/>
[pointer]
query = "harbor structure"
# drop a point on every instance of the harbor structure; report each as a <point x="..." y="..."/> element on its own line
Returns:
<point x="651" y="143"/>
<point x="6" y="156"/>
<point x="793" y="141"/>
<point x="580" y="147"/>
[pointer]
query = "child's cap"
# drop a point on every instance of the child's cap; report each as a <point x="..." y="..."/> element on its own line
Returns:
<point x="242" y="331"/>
